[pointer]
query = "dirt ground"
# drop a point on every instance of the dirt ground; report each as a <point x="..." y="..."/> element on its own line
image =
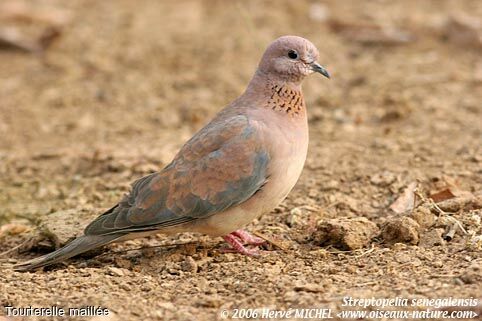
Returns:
<point x="125" y="83"/>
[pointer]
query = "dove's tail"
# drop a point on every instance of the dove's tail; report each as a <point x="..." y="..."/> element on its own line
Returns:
<point x="79" y="245"/>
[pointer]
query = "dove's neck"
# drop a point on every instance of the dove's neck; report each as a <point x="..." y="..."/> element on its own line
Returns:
<point x="279" y="95"/>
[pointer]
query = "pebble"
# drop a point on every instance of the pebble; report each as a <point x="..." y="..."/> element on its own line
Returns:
<point x="115" y="271"/>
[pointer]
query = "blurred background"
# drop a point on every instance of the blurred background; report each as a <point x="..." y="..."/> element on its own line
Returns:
<point x="94" y="94"/>
<point x="90" y="73"/>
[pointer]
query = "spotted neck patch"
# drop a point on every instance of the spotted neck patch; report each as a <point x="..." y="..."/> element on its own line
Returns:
<point x="287" y="100"/>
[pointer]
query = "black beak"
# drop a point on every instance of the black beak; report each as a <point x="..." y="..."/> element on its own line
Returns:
<point x="316" y="67"/>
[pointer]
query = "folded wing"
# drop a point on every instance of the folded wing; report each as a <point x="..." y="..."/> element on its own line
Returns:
<point x="222" y="166"/>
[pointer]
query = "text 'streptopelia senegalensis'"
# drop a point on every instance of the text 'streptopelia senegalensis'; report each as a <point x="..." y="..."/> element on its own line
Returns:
<point x="239" y="166"/>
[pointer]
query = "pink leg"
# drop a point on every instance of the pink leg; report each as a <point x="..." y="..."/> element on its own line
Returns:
<point x="237" y="246"/>
<point x="248" y="238"/>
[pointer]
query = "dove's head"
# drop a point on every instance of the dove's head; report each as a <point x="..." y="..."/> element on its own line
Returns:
<point x="291" y="59"/>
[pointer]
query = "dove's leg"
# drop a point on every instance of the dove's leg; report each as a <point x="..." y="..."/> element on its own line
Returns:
<point x="237" y="246"/>
<point x="248" y="238"/>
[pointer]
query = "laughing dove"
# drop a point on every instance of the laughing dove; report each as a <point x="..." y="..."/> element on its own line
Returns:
<point x="239" y="166"/>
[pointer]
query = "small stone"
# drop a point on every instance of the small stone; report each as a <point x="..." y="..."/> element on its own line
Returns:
<point x="330" y="185"/>
<point x="115" y="271"/>
<point x="404" y="230"/>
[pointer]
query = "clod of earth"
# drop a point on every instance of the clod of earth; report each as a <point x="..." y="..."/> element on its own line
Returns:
<point x="346" y="233"/>
<point x="423" y="216"/>
<point x="404" y="230"/>
<point x="466" y="202"/>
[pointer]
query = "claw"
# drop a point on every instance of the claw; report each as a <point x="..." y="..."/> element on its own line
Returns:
<point x="238" y="247"/>
<point x="248" y="238"/>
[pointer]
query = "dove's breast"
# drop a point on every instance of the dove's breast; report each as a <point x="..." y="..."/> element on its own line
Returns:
<point x="287" y="141"/>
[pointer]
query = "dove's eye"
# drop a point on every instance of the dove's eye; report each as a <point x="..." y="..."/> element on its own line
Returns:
<point x="293" y="54"/>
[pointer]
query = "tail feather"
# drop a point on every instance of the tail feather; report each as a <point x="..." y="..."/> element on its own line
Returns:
<point x="79" y="245"/>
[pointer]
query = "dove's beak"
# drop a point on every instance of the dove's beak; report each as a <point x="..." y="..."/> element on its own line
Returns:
<point x="316" y="67"/>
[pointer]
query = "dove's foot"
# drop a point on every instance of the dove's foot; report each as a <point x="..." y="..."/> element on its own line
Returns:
<point x="237" y="246"/>
<point x="248" y="238"/>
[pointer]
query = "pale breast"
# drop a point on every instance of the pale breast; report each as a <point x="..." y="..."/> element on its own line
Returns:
<point x="288" y="141"/>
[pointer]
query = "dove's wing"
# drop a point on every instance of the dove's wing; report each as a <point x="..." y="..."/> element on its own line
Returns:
<point x="221" y="166"/>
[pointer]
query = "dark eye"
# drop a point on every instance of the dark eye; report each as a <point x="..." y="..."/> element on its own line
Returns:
<point x="293" y="54"/>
